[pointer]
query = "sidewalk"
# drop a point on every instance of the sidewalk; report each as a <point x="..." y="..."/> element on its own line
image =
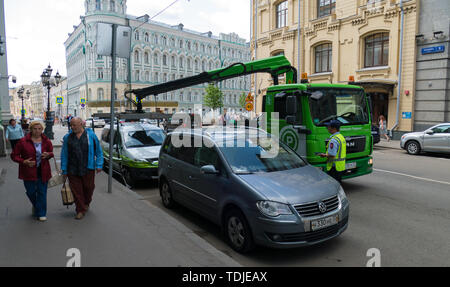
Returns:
<point x="121" y="229"/>
<point x="393" y="144"/>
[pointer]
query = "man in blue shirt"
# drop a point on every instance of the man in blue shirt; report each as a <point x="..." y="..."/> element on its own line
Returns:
<point x="14" y="133"/>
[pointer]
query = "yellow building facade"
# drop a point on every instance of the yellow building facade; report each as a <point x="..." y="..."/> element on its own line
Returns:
<point x="344" y="40"/>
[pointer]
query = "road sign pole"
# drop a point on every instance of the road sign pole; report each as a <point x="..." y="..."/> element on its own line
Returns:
<point x="113" y="86"/>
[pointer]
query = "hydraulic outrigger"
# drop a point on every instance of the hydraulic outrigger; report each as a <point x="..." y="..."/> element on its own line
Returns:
<point x="275" y="66"/>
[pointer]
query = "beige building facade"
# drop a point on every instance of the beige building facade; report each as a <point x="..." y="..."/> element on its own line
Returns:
<point x="342" y="41"/>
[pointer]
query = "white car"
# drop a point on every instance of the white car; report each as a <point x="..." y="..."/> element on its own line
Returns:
<point x="98" y="123"/>
<point x="434" y="139"/>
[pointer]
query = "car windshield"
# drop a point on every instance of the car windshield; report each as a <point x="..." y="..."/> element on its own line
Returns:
<point x="259" y="154"/>
<point x="345" y="105"/>
<point x="143" y="138"/>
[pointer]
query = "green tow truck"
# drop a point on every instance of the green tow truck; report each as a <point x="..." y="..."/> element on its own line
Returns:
<point x="302" y="109"/>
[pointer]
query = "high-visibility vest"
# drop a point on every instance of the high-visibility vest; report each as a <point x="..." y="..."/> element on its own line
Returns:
<point x="339" y="160"/>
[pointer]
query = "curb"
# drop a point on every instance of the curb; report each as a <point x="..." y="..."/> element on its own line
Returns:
<point x="202" y="243"/>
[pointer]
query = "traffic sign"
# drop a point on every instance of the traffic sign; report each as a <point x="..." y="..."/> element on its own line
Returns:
<point x="59" y="100"/>
<point x="249" y="106"/>
<point x="249" y="98"/>
<point x="83" y="100"/>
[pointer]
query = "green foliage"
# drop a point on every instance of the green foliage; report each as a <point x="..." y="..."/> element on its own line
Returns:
<point x="242" y="100"/>
<point x="214" y="97"/>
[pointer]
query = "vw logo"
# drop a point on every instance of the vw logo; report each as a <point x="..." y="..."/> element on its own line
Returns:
<point x="322" y="207"/>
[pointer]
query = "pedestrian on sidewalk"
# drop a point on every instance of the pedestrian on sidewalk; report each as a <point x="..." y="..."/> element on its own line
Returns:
<point x="14" y="133"/>
<point x="81" y="157"/>
<point x="383" y="127"/>
<point x="32" y="153"/>
<point x="69" y="118"/>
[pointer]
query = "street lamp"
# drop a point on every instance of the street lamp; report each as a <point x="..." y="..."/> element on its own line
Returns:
<point x="21" y="95"/>
<point x="47" y="81"/>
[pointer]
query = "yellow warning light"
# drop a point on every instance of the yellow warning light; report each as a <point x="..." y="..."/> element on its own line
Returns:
<point x="304" y="76"/>
<point x="351" y="78"/>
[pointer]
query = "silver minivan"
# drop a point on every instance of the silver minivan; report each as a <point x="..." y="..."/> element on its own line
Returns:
<point x="256" y="188"/>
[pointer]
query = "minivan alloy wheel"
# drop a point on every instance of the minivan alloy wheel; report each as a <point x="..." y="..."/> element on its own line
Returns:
<point x="238" y="231"/>
<point x="166" y="195"/>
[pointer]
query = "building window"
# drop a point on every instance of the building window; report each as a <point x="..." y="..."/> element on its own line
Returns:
<point x="323" y="58"/>
<point x="155" y="59"/>
<point x="136" y="76"/>
<point x="112" y="6"/>
<point x="164" y="60"/>
<point x="146" y="37"/>
<point x="98" y="5"/>
<point x="146" y="58"/>
<point x="100" y="73"/>
<point x="376" y="51"/>
<point x="136" y="35"/>
<point x="282" y="14"/>
<point x="100" y="94"/>
<point x="155" y="39"/>
<point x="325" y="7"/>
<point x="164" y="40"/>
<point x="136" y="57"/>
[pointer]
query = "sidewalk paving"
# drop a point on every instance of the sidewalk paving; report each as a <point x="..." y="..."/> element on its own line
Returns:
<point x="393" y="144"/>
<point x="121" y="229"/>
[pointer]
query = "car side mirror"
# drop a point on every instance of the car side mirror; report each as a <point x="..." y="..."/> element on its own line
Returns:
<point x="209" y="169"/>
<point x="429" y="132"/>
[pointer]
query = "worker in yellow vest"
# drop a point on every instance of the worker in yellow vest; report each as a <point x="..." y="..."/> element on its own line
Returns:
<point x="336" y="151"/>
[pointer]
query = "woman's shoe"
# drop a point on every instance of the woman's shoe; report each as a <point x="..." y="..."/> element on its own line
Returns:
<point x="42" y="218"/>
<point x="79" y="216"/>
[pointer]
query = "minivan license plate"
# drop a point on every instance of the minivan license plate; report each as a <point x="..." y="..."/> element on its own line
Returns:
<point x="324" y="222"/>
<point x="350" y="165"/>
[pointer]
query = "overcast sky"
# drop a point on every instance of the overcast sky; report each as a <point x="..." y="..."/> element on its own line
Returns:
<point x="37" y="29"/>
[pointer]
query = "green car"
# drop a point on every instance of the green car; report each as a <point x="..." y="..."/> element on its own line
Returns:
<point x="135" y="150"/>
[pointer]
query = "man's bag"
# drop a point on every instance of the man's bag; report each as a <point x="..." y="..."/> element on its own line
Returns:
<point x="57" y="177"/>
<point x="66" y="194"/>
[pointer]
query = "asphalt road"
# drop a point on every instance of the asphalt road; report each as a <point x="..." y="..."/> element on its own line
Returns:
<point x="402" y="209"/>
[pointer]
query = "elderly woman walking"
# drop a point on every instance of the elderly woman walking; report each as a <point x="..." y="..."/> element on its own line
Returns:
<point x="33" y="153"/>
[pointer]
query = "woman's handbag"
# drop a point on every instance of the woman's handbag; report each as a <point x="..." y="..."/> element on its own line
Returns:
<point x="57" y="177"/>
<point x="66" y="194"/>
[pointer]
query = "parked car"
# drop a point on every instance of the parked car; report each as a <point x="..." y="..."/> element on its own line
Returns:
<point x="375" y="134"/>
<point x="98" y="123"/>
<point x="135" y="150"/>
<point x="434" y="139"/>
<point x="257" y="196"/>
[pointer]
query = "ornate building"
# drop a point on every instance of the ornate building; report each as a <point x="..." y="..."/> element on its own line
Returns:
<point x="343" y="38"/>
<point x="159" y="53"/>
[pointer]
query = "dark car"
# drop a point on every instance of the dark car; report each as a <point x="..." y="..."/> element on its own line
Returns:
<point x="258" y="189"/>
<point x="375" y="134"/>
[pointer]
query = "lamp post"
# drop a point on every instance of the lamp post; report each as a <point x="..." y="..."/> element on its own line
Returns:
<point x="21" y="95"/>
<point x="49" y="82"/>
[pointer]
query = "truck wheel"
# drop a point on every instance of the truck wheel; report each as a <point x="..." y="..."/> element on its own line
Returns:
<point x="237" y="231"/>
<point x="413" y="147"/>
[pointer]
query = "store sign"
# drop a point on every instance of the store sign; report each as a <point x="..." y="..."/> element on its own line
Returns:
<point x="406" y="115"/>
<point x="432" y="50"/>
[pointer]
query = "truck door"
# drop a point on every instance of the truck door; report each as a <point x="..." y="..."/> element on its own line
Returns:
<point x="292" y="135"/>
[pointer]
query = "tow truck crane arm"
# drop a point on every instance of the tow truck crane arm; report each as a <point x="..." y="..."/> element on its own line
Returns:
<point x="275" y="66"/>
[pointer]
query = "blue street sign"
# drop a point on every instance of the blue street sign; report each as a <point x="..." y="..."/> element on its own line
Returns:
<point x="406" y="115"/>
<point x="59" y="100"/>
<point x="435" y="49"/>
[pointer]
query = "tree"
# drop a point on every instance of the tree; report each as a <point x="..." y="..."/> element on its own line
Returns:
<point x="214" y="97"/>
<point x="242" y="100"/>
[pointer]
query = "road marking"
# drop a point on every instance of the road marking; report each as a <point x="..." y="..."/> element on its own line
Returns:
<point x="412" y="176"/>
